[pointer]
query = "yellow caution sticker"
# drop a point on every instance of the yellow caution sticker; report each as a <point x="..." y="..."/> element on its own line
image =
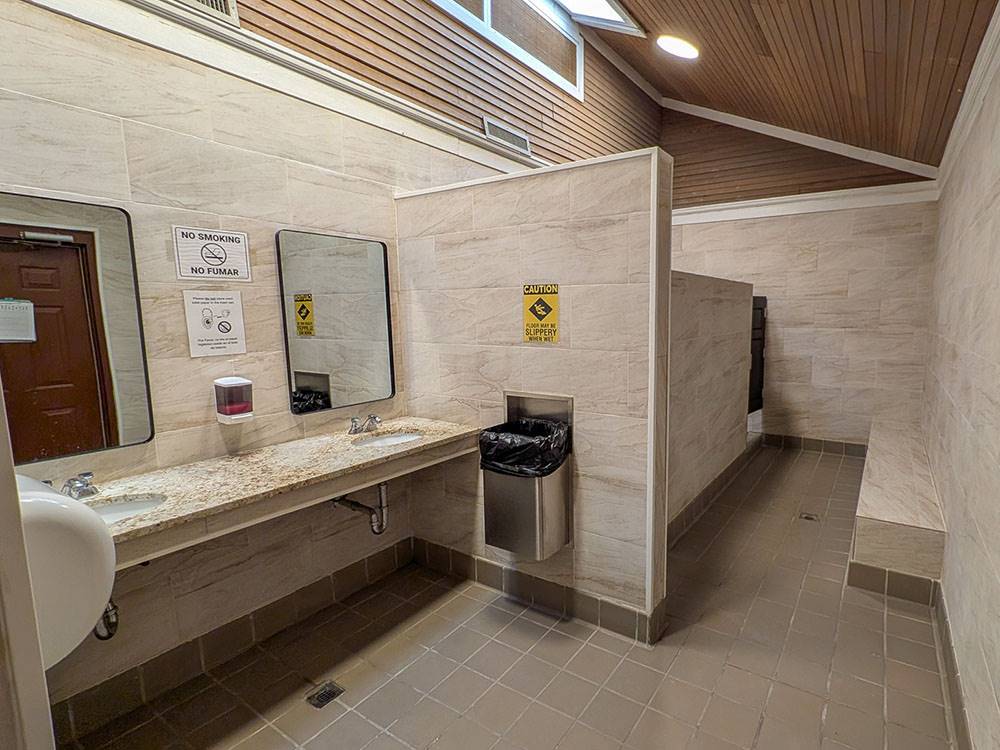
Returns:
<point x="302" y="308"/>
<point x="541" y="313"/>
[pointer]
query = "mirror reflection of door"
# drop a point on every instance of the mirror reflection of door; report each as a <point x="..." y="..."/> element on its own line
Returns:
<point x="58" y="389"/>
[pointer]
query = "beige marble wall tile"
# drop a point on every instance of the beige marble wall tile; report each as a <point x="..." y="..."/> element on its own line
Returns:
<point x="44" y="147"/>
<point x="461" y="316"/>
<point x="846" y="292"/>
<point x="709" y="381"/>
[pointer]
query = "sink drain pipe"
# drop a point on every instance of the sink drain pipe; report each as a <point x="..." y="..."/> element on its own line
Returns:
<point x="379" y="514"/>
<point x="107" y="626"/>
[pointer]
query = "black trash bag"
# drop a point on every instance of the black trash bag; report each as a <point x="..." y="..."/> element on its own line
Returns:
<point x="524" y="447"/>
<point x="305" y="400"/>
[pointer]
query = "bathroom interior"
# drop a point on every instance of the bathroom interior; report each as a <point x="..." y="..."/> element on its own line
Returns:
<point x="499" y="374"/>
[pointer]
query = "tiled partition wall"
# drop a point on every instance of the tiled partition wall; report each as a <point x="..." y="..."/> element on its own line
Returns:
<point x="847" y="323"/>
<point x="177" y="143"/>
<point x="599" y="229"/>
<point x="962" y="416"/>
<point x="709" y="381"/>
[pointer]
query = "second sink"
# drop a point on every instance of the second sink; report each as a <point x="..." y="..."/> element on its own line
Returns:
<point x="394" y="438"/>
<point x="113" y="509"/>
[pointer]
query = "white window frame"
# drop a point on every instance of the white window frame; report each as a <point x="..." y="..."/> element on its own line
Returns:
<point x="627" y="26"/>
<point x="549" y="11"/>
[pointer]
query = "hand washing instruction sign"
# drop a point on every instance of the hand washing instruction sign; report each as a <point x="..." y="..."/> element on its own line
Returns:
<point x="211" y="254"/>
<point x="17" y="320"/>
<point x="541" y="313"/>
<point x="215" y="323"/>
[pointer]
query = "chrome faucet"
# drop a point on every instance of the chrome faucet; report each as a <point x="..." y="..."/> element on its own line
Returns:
<point x="373" y="422"/>
<point x="80" y="486"/>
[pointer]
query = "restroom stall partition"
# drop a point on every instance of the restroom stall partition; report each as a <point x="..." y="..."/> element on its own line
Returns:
<point x="600" y="230"/>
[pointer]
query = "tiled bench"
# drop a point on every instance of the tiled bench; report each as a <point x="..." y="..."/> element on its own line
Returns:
<point x="899" y="531"/>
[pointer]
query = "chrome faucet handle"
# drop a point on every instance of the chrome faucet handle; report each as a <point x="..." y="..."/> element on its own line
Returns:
<point x="375" y="419"/>
<point x="86" y="476"/>
<point x="80" y="486"/>
<point x="355" y="427"/>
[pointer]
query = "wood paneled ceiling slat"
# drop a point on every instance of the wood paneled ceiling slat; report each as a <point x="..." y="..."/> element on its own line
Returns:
<point x="884" y="75"/>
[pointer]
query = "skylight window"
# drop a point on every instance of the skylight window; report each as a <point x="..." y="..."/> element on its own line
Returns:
<point x="604" y="14"/>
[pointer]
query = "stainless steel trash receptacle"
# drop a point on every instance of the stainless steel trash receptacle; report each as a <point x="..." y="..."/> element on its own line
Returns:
<point x="527" y="487"/>
<point x="529" y="516"/>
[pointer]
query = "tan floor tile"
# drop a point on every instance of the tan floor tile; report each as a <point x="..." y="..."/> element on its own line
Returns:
<point x="539" y="728"/>
<point x="909" y="652"/>
<point x="427" y="671"/>
<point x="858" y="694"/>
<point x="777" y="735"/>
<point x="556" y="648"/>
<point x="461" y="644"/>
<point x="461" y="689"/>
<point x="226" y="730"/>
<point x="581" y="737"/>
<point x="612" y="715"/>
<point x="498" y="708"/>
<point x="901" y="738"/>
<point x="916" y="682"/>
<point x="266" y="739"/>
<point x="385" y="742"/>
<point x="654" y="731"/>
<point x="696" y="670"/>
<point x="743" y="687"/>
<point x="465" y="734"/>
<point x="681" y="700"/>
<point x="634" y="681"/>
<point x="424" y="723"/>
<point x="730" y="721"/>
<point x="593" y="664"/>
<point x="388" y="703"/>
<point x="303" y="722"/>
<point x="853" y="728"/>
<point x="349" y="732"/>
<point x="493" y="659"/>
<point x="521" y="634"/>
<point x="529" y="675"/>
<point x="489" y="621"/>
<point x="568" y="693"/>
<point x="919" y="715"/>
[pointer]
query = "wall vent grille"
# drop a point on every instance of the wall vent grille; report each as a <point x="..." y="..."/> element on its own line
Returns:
<point x="503" y="133"/>
<point x="224" y="7"/>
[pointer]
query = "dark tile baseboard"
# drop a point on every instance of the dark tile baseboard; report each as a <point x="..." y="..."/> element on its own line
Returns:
<point x="561" y="601"/>
<point x="703" y="501"/>
<point x="815" y="445"/>
<point x="93" y="708"/>
<point x="953" y="679"/>
<point x="892" y="583"/>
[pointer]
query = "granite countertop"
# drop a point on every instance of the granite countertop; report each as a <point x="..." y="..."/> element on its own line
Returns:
<point x="218" y="485"/>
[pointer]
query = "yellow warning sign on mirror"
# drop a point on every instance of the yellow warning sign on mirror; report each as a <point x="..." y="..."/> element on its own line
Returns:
<point x="541" y="313"/>
<point x="305" y="323"/>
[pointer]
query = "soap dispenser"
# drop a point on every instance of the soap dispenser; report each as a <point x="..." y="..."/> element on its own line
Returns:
<point x="233" y="399"/>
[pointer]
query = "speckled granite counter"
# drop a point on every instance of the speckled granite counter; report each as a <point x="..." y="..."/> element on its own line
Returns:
<point x="209" y="498"/>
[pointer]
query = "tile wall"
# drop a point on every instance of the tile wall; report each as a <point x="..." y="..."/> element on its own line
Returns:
<point x="962" y="415"/>
<point x="847" y="325"/>
<point x="177" y="143"/>
<point x="709" y="382"/>
<point x="587" y="228"/>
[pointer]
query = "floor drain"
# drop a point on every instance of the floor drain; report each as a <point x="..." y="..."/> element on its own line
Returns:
<point x="325" y="693"/>
<point x="808" y="516"/>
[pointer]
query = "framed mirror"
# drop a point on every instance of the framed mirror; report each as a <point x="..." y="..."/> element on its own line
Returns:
<point x="335" y="306"/>
<point x="72" y="357"/>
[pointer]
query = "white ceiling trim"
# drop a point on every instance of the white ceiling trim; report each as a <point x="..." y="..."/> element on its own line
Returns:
<point x="984" y="72"/>
<point x="804" y="139"/>
<point x="809" y="203"/>
<point x="619" y="62"/>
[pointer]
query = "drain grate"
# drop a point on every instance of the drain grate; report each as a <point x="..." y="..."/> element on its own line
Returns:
<point x="808" y="516"/>
<point x="324" y="694"/>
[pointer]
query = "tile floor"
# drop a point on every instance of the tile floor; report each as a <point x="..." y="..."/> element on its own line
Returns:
<point x="767" y="649"/>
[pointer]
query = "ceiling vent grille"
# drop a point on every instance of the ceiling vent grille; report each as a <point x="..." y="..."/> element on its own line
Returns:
<point x="503" y="133"/>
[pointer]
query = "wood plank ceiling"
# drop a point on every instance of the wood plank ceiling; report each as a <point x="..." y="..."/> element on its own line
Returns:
<point x="885" y="75"/>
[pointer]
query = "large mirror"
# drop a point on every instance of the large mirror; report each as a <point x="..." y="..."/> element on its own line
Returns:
<point x="71" y="347"/>
<point x="335" y="301"/>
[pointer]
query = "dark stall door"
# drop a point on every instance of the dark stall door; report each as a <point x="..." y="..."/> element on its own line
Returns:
<point x="757" y="354"/>
<point x="57" y="389"/>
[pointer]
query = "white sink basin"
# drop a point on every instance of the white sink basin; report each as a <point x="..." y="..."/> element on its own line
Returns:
<point x="113" y="509"/>
<point x="381" y="441"/>
<point x="71" y="559"/>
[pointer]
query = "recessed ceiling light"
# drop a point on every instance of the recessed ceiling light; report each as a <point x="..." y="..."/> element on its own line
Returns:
<point x="678" y="47"/>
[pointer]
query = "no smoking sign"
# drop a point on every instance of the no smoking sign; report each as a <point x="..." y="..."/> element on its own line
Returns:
<point x="211" y="254"/>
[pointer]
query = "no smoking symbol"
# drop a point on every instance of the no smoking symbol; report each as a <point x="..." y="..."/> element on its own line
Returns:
<point x="225" y="326"/>
<point x="213" y="254"/>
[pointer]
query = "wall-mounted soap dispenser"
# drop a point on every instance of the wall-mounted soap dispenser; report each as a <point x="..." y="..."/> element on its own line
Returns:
<point x="233" y="399"/>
